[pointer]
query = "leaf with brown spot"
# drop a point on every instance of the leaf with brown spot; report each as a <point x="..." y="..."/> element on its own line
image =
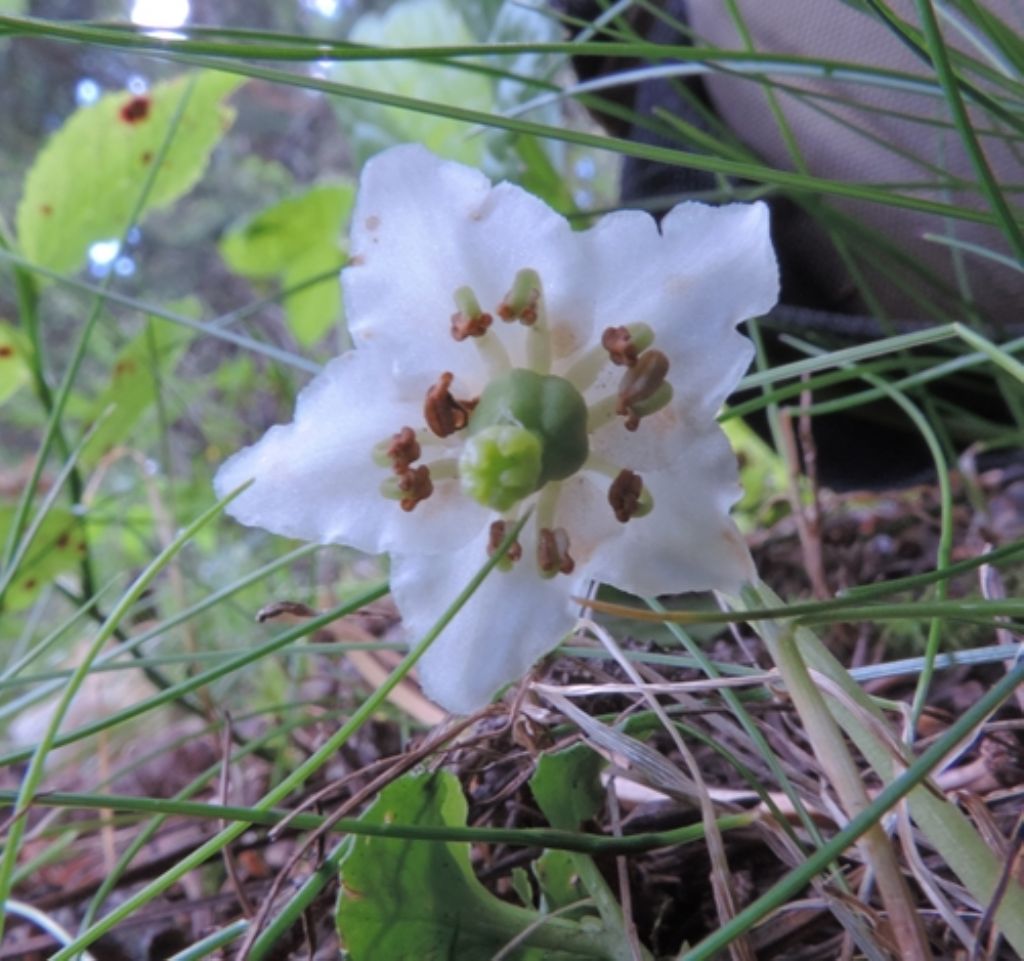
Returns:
<point x="59" y="217"/>
<point x="14" y="368"/>
<point x="49" y="554"/>
<point x="135" y="109"/>
<point x="134" y="381"/>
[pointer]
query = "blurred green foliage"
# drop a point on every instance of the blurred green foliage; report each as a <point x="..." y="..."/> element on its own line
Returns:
<point x="296" y="241"/>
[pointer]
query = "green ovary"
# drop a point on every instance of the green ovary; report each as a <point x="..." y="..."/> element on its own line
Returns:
<point x="527" y="429"/>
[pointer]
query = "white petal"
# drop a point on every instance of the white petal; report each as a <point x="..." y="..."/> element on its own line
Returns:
<point x="654" y="445"/>
<point x="315" y="480"/>
<point x="704" y="272"/>
<point x="422" y="228"/>
<point x="512" y="619"/>
<point x="585" y="514"/>
<point x="688" y="542"/>
<point x="729" y="275"/>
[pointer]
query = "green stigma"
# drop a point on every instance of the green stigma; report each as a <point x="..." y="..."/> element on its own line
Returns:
<point x="500" y="466"/>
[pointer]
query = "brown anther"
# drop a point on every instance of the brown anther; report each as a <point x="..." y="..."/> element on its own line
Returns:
<point x="553" y="551"/>
<point x="526" y="315"/>
<point x="404" y="449"/>
<point x="644" y="377"/>
<point x="639" y="383"/>
<point x="632" y="421"/>
<point x="624" y="494"/>
<point x="464" y="325"/>
<point x="619" y="344"/>
<point x="498" y="530"/>
<point x="415" y="482"/>
<point x="443" y="413"/>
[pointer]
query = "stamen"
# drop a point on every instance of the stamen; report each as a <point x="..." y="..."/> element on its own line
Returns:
<point x="402" y="450"/>
<point x="633" y="413"/>
<point x="494" y="355"/>
<point x="625" y="344"/>
<point x="443" y="413"/>
<point x="643" y="388"/>
<point x="621" y="345"/>
<point x="547" y="504"/>
<point x="644" y="377"/>
<point x="409" y="488"/>
<point x="602" y="412"/>
<point x="381" y="452"/>
<point x="447" y="468"/>
<point x="601" y="465"/>
<point x="469" y="320"/>
<point x="496" y="535"/>
<point x="524" y="302"/>
<point x="627" y="496"/>
<point x="553" y="552"/>
<point x="538" y="348"/>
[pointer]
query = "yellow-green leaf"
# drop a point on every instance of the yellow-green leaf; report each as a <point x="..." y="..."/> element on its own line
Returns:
<point x="133" y="385"/>
<point x="87" y="180"/>
<point x="409" y="24"/>
<point x="314" y="309"/>
<point x="58" y="546"/>
<point x="14" y="369"/>
<point x="266" y="244"/>
<point x="295" y="240"/>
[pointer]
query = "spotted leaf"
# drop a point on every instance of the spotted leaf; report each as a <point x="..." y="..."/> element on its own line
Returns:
<point x="111" y="146"/>
<point x="14" y="369"/>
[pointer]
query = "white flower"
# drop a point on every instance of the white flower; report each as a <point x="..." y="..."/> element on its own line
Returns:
<point x="594" y="403"/>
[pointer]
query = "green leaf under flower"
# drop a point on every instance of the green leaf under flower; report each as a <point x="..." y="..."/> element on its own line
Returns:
<point x="403" y="900"/>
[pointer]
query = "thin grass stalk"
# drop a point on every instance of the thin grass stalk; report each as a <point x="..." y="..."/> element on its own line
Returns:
<point x="209" y="328"/>
<point x="131" y="645"/>
<point x="842" y="772"/>
<point x="197" y="681"/>
<point x="624" y="147"/>
<point x="34" y="775"/>
<point x="56" y="406"/>
<point x="300" y="774"/>
<point x="143" y="837"/>
<point x="896" y="788"/>
<point x="28" y="536"/>
<point x="557" y="840"/>
<point x="944" y="71"/>
<point x="750" y="728"/>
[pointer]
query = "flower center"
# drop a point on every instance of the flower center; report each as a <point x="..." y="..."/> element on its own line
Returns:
<point x="529" y="429"/>
<point x="548" y="408"/>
